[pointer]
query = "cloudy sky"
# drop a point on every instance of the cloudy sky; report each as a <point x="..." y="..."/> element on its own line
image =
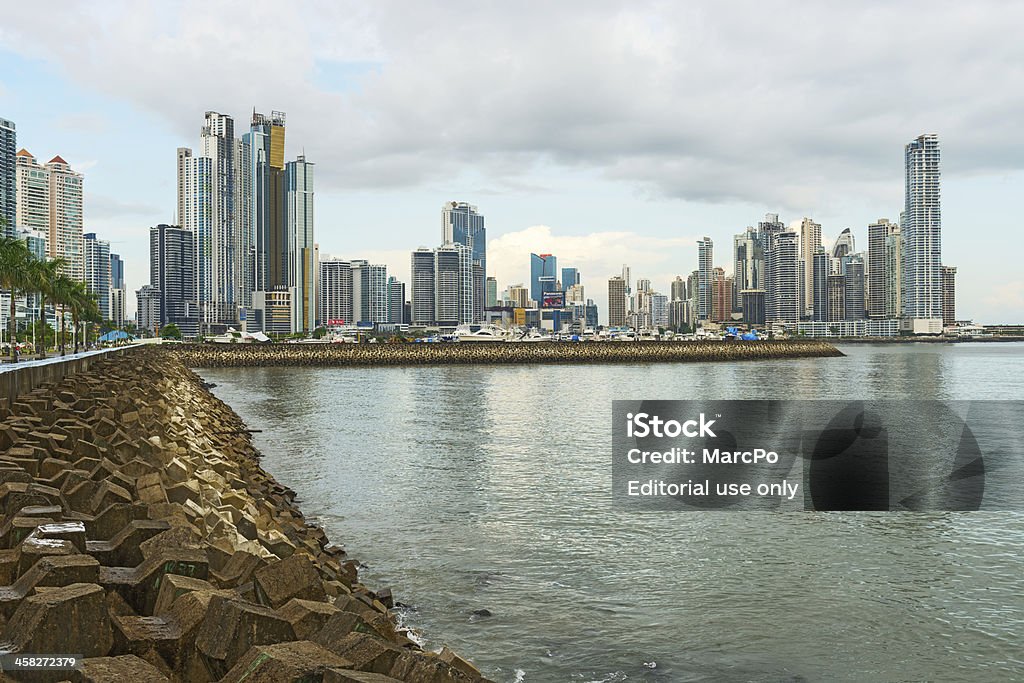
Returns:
<point x="603" y="132"/>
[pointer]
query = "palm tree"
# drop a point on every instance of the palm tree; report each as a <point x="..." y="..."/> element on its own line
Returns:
<point x="44" y="275"/>
<point x="63" y="294"/>
<point x="14" y="276"/>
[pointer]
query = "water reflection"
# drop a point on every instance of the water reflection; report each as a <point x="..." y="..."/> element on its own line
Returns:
<point x="489" y="487"/>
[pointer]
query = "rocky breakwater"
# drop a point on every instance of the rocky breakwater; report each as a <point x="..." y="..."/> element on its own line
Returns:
<point x="243" y="355"/>
<point x="139" y="531"/>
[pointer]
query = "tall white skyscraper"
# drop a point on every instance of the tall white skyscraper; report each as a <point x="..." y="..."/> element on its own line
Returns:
<point x="301" y="275"/>
<point x="810" y="240"/>
<point x="213" y="202"/>
<point x="49" y="198"/>
<point x="921" y="230"/>
<point x="705" y="263"/>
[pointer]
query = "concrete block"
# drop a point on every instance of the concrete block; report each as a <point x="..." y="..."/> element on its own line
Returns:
<point x="293" y="577"/>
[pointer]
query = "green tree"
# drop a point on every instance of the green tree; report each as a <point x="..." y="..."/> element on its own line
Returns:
<point x="171" y="331"/>
<point x="44" y="275"/>
<point x="14" y="277"/>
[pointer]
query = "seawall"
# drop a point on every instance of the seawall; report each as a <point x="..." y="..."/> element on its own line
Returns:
<point x="139" y="531"/>
<point x="244" y="355"/>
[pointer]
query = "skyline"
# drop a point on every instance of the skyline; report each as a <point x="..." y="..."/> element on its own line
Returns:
<point x="594" y="212"/>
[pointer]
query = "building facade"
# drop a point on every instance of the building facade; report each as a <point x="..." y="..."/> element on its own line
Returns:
<point x="616" y="302"/>
<point x="97" y="272"/>
<point x="948" y="295"/>
<point x="172" y="277"/>
<point x="921" y="230"/>
<point x="8" y="176"/>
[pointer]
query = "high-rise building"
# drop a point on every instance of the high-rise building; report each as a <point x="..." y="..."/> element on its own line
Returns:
<point x="396" y="301"/>
<point x="692" y="291"/>
<point x="677" y="289"/>
<point x="748" y="261"/>
<point x="519" y="296"/>
<point x="97" y="271"/>
<point x="453" y="285"/>
<point x="172" y="275"/>
<point x="462" y="223"/>
<point x="117" y="307"/>
<point x="543" y="275"/>
<point x="575" y="295"/>
<point x="335" y="293"/>
<point x="854" y="296"/>
<point x="422" y="287"/>
<point x="948" y="296"/>
<point x="570" y="277"/>
<point x="147" y="316"/>
<point x="836" y="298"/>
<point x="659" y="310"/>
<point x="921" y="231"/>
<point x="32" y="196"/>
<point x="49" y="198"/>
<point x="820" y="270"/>
<point x="215" y="204"/>
<point x="302" y="263"/>
<point x="784" y="296"/>
<point x="616" y="302"/>
<point x="8" y="176"/>
<point x="810" y="240"/>
<point x="878" y="281"/>
<point x="844" y="245"/>
<point x="721" y="296"/>
<point x="116" y="272"/>
<point x="705" y="263"/>
<point x="893" y="274"/>
<point x="117" y="290"/>
<point x="753" y="306"/>
<point x="268" y="204"/>
<point x="492" y="292"/>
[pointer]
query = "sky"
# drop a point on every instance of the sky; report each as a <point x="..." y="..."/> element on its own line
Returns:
<point x="602" y="132"/>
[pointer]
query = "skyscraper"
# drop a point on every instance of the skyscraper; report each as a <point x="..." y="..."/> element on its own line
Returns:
<point x="117" y="291"/>
<point x="116" y="272"/>
<point x="748" y="261"/>
<point x="32" y="195"/>
<point x="335" y="293"/>
<point x="893" y="274"/>
<point x="854" y="296"/>
<point x="172" y="276"/>
<point x="421" y="295"/>
<point x="678" y="289"/>
<point x="462" y="223"/>
<point x="300" y="248"/>
<point x="492" y="292"/>
<point x="616" y="302"/>
<point x="784" y="296"/>
<point x="878" y="282"/>
<point x="543" y="275"/>
<point x="396" y="301"/>
<point x="207" y="199"/>
<point x="453" y="285"/>
<point x="843" y="246"/>
<point x="810" y="240"/>
<point x="721" y="296"/>
<point x="97" y="271"/>
<point x="570" y="277"/>
<point x="49" y="198"/>
<point x="8" y="175"/>
<point x="820" y="269"/>
<point x="921" y="230"/>
<point x="948" y="296"/>
<point x="268" y="205"/>
<point x="705" y="263"/>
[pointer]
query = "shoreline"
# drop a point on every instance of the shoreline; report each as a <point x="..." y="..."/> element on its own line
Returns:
<point x="140" y="531"/>
<point x="369" y="355"/>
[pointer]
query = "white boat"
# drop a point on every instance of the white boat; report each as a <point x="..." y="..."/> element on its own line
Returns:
<point x="480" y="333"/>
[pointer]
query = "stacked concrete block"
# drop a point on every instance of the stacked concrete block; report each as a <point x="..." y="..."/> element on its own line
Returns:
<point x="137" y="529"/>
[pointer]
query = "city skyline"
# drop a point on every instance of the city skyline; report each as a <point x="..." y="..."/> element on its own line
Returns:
<point x="592" y="201"/>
